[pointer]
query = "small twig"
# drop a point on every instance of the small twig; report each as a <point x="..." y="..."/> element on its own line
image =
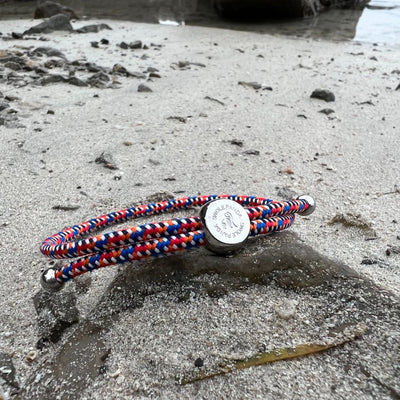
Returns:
<point x="395" y="191"/>
<point x="216" y="100"/>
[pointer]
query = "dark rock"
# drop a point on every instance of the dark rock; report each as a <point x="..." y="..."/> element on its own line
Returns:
<point x="56" y="312"/>
<point x="393" y="249"/>
<point x="13" y="65"/>
<point x="92" y="67"/>
<point x="323" y="94"/>
<point x="151" y="69"/>
<point x="107" y="160"/>
<point x="339" y="295"/>
<point x="120" y="69"/>
<point x="187" y="64"/>
<point x="397" y="87"/>
<point x="95" y="44"/>
<point x="40" y="70"/>
<point x="17" y="35"/>
<point x="42" y="343"/>
<point x="52" y="63"/>
<point x="326" y="111"/>
<point x="3" y="105"/>
<point x="143" y="88"/>
<point x="7" y="370"/>
<point x="237" y="142"/>
<point x="367" y="103"/>
<point x="183" y="64"/>
<point x="124" y="45"/>
<point x="59" y="22"/>
<point x="77" y="82"/>
<point x="65" y="207"/>
<point x="177" y="118"/>
<point x="154" y="75"/>
<point x="137" y="44"/>
<point x="50" y="8"/>
<point x="93" y="28"/>
<point x="10" y="57"/>
<point x="52" y="78"/>
<point x="255" y="10"/>
<point x="369" y="261"/>
<point x="252" y="152"/>
<point x="11" y="97"/>
<point x="105" y="41"/>
<point x="198" y="362"/>
<point x="98" y="80"/>
<point x="49" y="52"/>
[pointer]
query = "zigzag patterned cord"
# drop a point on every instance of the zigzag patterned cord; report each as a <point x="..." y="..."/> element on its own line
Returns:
<point x="155" y="239"/>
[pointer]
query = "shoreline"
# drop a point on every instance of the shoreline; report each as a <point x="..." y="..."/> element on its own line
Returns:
<point x="269" y="139"/>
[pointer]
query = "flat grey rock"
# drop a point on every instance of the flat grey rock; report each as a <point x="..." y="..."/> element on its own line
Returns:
<point x="59" y="22"/>
<point x="281" y="263"/>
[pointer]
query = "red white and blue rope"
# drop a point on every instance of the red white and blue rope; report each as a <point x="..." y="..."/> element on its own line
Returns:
<point x="156" y="239"/>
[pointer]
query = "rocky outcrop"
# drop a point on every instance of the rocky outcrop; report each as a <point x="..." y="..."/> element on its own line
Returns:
<point x="50" y="8"/>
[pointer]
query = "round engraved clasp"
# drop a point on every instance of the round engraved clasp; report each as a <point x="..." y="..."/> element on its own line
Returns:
<point x="226" y="225"/>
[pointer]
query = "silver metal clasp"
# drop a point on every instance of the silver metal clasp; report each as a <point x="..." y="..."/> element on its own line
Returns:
<point x="226" y="225"/>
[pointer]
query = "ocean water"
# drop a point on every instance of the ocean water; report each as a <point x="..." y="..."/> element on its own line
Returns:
<point x="377" y="22"/>
<point x="380" y="21"/>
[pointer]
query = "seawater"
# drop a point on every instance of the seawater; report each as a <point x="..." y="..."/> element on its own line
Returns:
<point x="380" y="21"/>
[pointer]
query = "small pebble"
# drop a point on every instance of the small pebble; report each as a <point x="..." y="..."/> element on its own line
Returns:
<point x="326" y="111"/>
<point x="31" y="356"/>
<point x="115" y="374"/>
<point x="323" y="94"/>
<point x="237" y="142"/>
<point x="199" y="362"/>
<point x="252" y="152"/>
<point x="286" y="308"/>
<point x="143" y="88"/>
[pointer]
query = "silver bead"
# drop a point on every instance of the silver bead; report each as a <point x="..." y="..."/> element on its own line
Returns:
<point x="49" y="282"/>
<point x="226" y="225"/>
<point x="311" y="203"/>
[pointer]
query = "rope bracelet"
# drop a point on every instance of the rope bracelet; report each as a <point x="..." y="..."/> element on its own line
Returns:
<point x="224" y="224"/>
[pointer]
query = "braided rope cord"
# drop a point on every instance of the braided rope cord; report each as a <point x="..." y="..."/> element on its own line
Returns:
<point x="155" y="239"/>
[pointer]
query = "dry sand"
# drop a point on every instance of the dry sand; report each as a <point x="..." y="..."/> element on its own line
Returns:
<point x="347" y="160"/>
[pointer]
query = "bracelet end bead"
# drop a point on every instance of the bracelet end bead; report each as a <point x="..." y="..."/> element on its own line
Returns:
<point x="311" y="204"/>
<point x="49" y="282"/>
